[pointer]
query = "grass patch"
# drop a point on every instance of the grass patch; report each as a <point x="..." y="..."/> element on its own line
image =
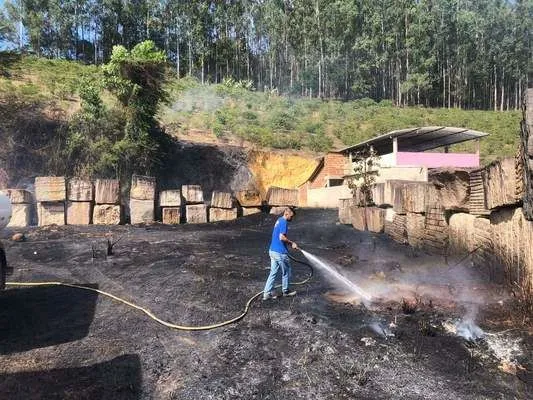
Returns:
<point x="234" y="109"/>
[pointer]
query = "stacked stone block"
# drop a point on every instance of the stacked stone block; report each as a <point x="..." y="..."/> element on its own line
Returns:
<point x="195" y="209"/>
<point x="250" y="201"/>
<point x="142" y="199"/>
<point x="278" y="199"/>
<point x="21" y="207"/>
<point x="222" y="207"/>
<point x="170" y="203"/>
<point x="80" y="194"/>
<point x="435" y="237"/>
<point x="50" y="194"/>
<point x="107" y="210"/>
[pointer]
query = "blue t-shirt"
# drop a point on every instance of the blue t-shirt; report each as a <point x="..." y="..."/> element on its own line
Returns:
<point x="276" y="244"/>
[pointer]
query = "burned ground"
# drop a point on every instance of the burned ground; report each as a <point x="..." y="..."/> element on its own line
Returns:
<point x="58" y="342"/>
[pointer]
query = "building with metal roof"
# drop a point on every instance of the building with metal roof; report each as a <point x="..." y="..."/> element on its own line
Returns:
<point x="407" y="147"/>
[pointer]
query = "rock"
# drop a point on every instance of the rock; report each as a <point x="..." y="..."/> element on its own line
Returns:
<point x="50" y="188"/>
<point x="19" y="196"/>
<point x="18" y="237"/>
<point x="20" y="215"/>
<point x="171" y="215"/>
<point x="80" y="190"/>
<point x="415" y="229"/>
<point x="397" y="228"/>
<point x="414" y="197"/>
<point x="142" y="187"/>
<point x="196" y="213"/>
<point x="107" y="214"/>
<point x="512" y="238"/>
<point x="51" y="213"/>
<point x="358" y="218"/>
<point x="435" y="231"/>
<point x="482" y="241"/>
<point x="192" y="194"/>
<point x="79" y="212"/>
<point x="282" y="197"/>
<point x="461" y="229"/>
<point x="249" y="198"/>
<point x="499" y="182"/>
<point x="141" y="211"/>
<point x="221" y="200"/>
<point x="170" y="198"/>
<point x="222" y="214"/>
<point x="453" y="186"/>
<point x="107" y="191"/>
<point x="250" y="211"/>
<point x="375" y="219"/>
<point x="476" y="202"/>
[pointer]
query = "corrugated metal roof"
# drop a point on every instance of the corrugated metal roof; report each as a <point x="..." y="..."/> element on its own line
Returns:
<point x="418" y="139"/>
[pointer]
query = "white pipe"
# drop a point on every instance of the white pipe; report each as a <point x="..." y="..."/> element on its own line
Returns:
<point x="5" y="210"/>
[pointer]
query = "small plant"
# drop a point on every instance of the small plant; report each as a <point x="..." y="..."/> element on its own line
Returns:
<point x="410" y="306"/>
<point x="366" y="164"/>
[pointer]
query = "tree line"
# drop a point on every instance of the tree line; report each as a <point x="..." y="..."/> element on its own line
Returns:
<point x="438" y="53"/>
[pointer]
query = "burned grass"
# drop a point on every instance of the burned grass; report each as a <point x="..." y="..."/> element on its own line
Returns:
<point x="315" y="345"/>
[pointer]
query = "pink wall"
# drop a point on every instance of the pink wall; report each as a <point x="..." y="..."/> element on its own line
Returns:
<point x="436" y="160"/>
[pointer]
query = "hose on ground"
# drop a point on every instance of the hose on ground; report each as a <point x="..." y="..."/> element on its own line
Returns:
<point x="159" y="320"/>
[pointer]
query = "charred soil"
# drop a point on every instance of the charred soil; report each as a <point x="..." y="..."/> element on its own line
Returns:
<point x="58" y="342"/>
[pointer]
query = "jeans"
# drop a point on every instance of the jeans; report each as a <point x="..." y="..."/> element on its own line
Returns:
<point x="277" y="261"/>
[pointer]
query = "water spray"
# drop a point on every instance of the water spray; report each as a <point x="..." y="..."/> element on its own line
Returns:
<point x="336" y="276"/>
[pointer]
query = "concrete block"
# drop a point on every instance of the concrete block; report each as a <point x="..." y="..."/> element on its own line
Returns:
<point x="107" y="191"/>
<point x="250" y="211"/>
<point x="192" y="194"/>
<point x="20" y="216"/>
<point x="221" y="200"/>
<point x="19" y="196"/>
<point x="171" y="215"/>
<point x="50" y="188"/>
<point x="222" y="214"/>
<point x="170" y="198"/>
<point x="51" y="213"/>
<point x="107" y="214"/>
<point x="196" y="213"/>
<point x="79" y="212"/>
<point x="142" y="187"/>
<point x="141" y="211"/>
<point x="80" y="190"/>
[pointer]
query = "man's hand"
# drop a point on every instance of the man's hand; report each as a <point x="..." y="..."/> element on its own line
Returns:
<point x="295" y="246"/>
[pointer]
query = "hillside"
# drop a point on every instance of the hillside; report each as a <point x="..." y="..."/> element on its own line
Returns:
<point x="229" y="111"/>
<point x="39" y="99"/>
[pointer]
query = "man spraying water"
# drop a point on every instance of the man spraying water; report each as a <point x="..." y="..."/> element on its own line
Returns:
<point x="279" y="257"/>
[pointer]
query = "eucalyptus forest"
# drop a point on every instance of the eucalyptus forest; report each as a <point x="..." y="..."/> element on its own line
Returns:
<point x="468" y="54"/>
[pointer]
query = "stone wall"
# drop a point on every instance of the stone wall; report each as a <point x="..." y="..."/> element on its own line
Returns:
<point x="485" y="213"/>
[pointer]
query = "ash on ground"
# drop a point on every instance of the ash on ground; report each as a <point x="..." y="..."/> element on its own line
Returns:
<point x="58" y="342"/>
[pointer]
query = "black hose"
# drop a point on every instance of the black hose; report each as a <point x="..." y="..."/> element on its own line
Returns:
<point x="311" y="270"/>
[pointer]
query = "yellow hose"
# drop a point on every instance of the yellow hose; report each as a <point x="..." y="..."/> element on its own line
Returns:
<point x="149" y="313"/>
